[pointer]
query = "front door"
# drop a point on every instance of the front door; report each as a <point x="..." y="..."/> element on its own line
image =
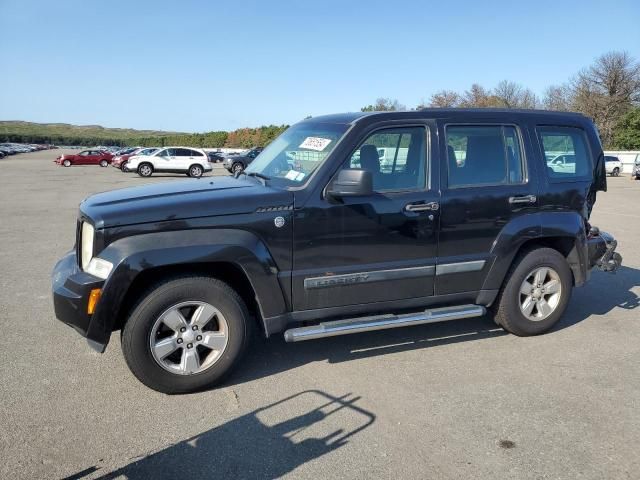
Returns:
<point x="378" y="248"/>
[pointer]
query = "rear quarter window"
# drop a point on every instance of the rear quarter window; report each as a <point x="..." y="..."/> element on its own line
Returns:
<point x="566" y="152"/>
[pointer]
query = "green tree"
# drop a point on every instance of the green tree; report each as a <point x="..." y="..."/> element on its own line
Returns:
<point x="627" y="132"/>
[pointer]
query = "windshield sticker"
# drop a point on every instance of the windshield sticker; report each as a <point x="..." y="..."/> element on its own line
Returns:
<point x="300" y="176"/>
<point x="315" y="143"/>
<point x="291" y="175"/>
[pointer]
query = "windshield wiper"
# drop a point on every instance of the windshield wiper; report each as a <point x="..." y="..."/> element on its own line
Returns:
<point x="259" y="175"/>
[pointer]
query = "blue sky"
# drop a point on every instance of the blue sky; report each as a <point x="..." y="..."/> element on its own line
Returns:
<point x="218" y="65"/>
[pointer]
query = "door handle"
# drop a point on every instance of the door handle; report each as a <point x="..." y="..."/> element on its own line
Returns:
<point x="523" y="199"/>
<point x="422" y="207"/>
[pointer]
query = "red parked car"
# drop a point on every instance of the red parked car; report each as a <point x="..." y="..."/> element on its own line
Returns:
<point x="86" y="157"/>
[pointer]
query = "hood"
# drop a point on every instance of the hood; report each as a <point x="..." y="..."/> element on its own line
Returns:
<point x="194" y="198"/>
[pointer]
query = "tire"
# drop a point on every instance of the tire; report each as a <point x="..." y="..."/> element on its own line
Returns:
<point x="508" y="311"/>
<point x="141" y="330"/>
<point x="145" y="169"/>
<point x="66" y="163"/>
<point x="123" y="166"/>
<point x="195" y="171"/>
<point x="237" y="167"/>
<point x="104" y="163"/>
<point x="616" y="172"/>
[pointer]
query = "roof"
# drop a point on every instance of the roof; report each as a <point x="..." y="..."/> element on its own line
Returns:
<point x="353" y="117"/>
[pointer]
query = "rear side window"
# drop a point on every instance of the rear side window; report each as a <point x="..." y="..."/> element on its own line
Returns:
<point x="566" y="153"/>
<point x="483" y="155"/>
<point x="195" y="153"/>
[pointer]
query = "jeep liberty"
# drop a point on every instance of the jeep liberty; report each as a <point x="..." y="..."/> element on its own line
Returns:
<point x="343" y="224"/>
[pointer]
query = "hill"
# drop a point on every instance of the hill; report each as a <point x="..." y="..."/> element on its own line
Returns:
<point x="67" y="134"/>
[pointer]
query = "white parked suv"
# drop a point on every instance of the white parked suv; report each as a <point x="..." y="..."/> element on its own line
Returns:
<point x="613" y="165"/>
<point x="192" y="161"/>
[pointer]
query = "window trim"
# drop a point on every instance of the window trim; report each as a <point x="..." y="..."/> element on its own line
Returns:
<point x="427" y="180"/>
<point x="523" y="157"/>
<point x="585" y="139"/>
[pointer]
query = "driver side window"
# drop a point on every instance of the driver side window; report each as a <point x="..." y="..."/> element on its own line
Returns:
<point x="396" y="158"/>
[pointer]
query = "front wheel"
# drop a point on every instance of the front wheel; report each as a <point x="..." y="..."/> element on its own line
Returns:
<point x="123" y="166"/>
<point x="237" y="167"/>
<point x="145" y="170"/>
<point x="535" y="292"/>
<point x="616" y="172"/>
<point x="104" y="163"/>
<point x="186" y="334"/>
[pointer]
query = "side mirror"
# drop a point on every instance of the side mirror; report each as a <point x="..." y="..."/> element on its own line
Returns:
<point x="353" y="182"/>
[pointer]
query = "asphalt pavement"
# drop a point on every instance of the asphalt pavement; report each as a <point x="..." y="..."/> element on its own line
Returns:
<point x="454" y="400"/>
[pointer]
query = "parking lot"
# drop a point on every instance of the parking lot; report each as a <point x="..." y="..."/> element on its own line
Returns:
<point x="452" y="400"/>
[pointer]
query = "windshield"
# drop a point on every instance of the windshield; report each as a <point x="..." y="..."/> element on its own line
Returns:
<point x="292" y="157"/>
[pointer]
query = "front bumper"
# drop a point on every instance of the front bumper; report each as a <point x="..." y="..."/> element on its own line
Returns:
<point x="602" y="251"/>
<point x="71" y="288"/>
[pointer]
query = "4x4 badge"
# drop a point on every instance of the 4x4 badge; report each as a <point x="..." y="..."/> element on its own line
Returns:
<point x="279" y="221"/>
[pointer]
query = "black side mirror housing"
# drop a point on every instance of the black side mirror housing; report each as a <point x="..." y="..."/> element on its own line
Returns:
<point x="352" y="182"/>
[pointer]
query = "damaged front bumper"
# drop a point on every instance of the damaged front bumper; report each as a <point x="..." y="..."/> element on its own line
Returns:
<point x="602" y="251"/>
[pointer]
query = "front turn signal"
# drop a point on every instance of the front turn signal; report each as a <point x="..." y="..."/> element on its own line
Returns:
<point x="94" y="297"/>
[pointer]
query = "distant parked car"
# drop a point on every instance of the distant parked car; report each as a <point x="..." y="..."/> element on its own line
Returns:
<point x="86" y="157"/>
<point x="120" y="161"/>
<point x="613" y="165"/>
<point x="215" y="157"/>
<point x="635" y="173"/>
<point x="565" y="163"/>
<point x="192" y="161"/>
<point x="238" y="163"/>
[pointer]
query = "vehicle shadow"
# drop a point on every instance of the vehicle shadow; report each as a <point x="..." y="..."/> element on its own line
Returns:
<point x="603" y="293"/>
<point x="263" y="444"/>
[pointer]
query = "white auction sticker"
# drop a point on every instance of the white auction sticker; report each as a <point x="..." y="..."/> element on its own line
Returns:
<point x="291" y="175"/>
<point x="315" y="143"/>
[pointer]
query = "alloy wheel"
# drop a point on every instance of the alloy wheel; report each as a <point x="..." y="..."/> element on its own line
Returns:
<point x="540" y="293"/>
<point x="189" y="338"/>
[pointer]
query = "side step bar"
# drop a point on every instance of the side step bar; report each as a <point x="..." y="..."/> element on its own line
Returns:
<point x="381" y="322"/>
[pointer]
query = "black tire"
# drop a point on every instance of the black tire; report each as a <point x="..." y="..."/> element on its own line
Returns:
<point x="616" y="172"/>
<point x="145" y="169"/>
<point x="506" y="308"/>
<point x="237" y="167"/>
<point x="123" y="166"/>
<point x="66" y="163"/>
<point x="137" y="330"/>
<point x="195" y="171"/>
<point x="104" y="163"/>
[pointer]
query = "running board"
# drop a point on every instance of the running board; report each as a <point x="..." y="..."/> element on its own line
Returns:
<point x="381" y="322"/>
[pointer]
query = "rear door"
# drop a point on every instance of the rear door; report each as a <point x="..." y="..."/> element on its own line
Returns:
<point x="487" y="183"/>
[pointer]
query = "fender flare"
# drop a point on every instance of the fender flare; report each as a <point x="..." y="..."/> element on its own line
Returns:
<point x="539" y="226"/>
<point x="133" y="255"/>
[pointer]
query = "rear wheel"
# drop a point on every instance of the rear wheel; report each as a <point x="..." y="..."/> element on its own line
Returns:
<point x="66" y="163"/>
<point x="195" y="171"/>
<point x="616" y="172"/>
<point x="104" y="163"/>
<point x="145" y="170"/>
<point x="186" y="334"/>
<point x="535" y="292"/>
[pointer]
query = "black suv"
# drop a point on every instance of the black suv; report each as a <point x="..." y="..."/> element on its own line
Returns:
<point x="237" y="163"/>
<point x="344" y="224"/>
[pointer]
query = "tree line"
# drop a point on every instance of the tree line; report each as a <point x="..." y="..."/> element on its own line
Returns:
<point x="61" y="134"/>
<point x="607" y="91"/>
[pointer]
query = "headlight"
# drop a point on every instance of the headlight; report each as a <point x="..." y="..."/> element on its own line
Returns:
<point x="99" y="268"/>
<point x="86" y="245"/>
<point x="94" y="265"/>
